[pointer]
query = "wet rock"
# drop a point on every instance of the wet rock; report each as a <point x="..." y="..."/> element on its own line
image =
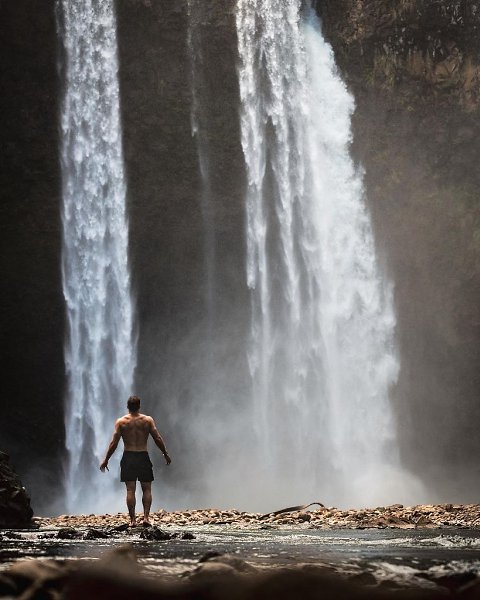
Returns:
<point x="37" y="579"/>
<point x="156" y="534"/>
<point x="234" y="562"/>
<point x="15" y="509"/>
<point x="452" y="581"/>
<point x="316" y="568"/>
<point x="209" y="555"/>
<point x="187" y="535"/>
<point x="12" y="535"/>
<point x="211" y="571"/>
<point x="294" y="584"/>
<point x="121" y="560"/>
<point x="120" y="528"/>
<point x="116" y="576"/>
<point x="363" y="578"/>
<point x="389" y="584"/>
<point x="68" y="533"/>
<point x="96" y="534"/>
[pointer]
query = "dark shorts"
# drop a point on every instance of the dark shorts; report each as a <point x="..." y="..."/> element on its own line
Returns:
<point x="136" y="465"/>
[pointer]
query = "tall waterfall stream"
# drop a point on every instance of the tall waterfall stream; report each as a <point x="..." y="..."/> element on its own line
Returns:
<point x="322" y="352"/>
<point x="100" y="347"/>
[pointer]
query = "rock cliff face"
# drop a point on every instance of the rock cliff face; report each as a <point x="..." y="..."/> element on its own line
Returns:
<point x="414" y="69"/>
<point x="32" y="313"/>
<point x="15" y="510"/>
<point x="169" y="225"/>
<point x="164" y="181"/>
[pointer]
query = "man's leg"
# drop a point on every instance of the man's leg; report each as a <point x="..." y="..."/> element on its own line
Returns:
<point x="131" y="485"/>
<point x="146" y="500"/>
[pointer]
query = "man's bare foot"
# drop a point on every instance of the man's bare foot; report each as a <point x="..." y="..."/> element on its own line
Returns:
<point x="133" y="523"/>
<point x="146" y="523"/>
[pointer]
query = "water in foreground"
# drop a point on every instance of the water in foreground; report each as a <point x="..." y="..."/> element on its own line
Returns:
<point x="435" y="560"/>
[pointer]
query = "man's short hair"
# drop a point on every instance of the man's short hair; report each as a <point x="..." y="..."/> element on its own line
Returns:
<point x="133" y="403"/>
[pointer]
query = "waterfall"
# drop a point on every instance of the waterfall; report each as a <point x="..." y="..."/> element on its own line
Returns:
<point x="100" y="346"/>
<point x="322" y="351"/>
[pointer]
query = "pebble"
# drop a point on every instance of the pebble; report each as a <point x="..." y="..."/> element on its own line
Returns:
<point x="395" y="517"/>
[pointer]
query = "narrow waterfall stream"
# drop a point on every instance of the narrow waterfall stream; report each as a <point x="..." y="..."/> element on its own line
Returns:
<point x="100" y="349"/>
<point x="322" y="353"/>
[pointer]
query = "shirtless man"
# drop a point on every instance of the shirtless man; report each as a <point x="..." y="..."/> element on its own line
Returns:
<point x="134" y="430"/>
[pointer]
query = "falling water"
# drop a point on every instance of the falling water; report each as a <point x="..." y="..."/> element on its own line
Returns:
<point x="322" y="353"/>
<point x="100" y="348"/>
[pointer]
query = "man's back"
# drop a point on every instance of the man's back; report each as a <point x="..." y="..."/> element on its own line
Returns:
<point x="135" y="430"/>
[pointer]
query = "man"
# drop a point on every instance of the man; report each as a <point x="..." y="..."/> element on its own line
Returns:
<point x="134" y="430"/>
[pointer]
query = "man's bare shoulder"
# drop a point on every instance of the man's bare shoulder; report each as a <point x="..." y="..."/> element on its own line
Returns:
<point x="122" y="420"/>
<point x="147" y="418"/>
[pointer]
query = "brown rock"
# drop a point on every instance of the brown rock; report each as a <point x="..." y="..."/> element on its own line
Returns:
<point x="209" y="571"/>
<point x="304" y="517"/>
<point x="35" y="579"/>
<point x="423" y="520"/>
<point x="121" y="560"/>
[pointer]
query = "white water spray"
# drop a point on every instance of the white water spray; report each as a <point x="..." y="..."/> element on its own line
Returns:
<point x="322" y="354"/>
<point x="100" y="351"/>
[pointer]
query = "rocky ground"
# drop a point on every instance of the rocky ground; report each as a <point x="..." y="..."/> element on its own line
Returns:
<point x="15" y="510"/>
<point x="394" y="516"/>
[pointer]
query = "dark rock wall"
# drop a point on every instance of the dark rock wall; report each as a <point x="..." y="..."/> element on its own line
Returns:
<point x="15" y="510"/>
<point x="414" y="67"/>
<point x="32" y="313"/>
<point x="182" y="337"/>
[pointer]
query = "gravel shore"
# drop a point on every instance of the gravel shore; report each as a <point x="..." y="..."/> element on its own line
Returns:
<point x="394" y="516"/>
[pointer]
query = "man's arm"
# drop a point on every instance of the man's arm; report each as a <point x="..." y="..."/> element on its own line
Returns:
<point x="157" y="438"/>
<point x="112" y="446"/>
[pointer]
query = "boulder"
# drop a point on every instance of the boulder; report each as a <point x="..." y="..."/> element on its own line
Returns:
<point x="15" y="509"/>
<point x="156" y="534"/>
<point x="68" y="533"/>
<point x="122" y="560"/>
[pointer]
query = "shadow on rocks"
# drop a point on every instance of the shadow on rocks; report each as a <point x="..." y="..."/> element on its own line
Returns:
<point x="222" y="582"/>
